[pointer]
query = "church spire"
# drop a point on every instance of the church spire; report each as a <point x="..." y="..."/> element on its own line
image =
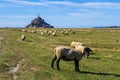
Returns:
<point x="38" y="16"/>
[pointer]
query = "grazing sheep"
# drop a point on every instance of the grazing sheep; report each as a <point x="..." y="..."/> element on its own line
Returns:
<point x="54" y="34"/>
<point x="24" y="30"/>
<point x="23" y="37"/>
<point x="48" y="33"/>
<point x="33" y="31"/>
<point x="42" y="33"/>
<point x="73" y="32"/>
<point x="68" y="54"/>
<point x="75" y="44"/>
<point x="65" y="32"/>
<point x="82" y="48"/>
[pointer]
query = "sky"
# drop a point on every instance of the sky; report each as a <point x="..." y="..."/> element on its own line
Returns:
<point x="61" y="13"/>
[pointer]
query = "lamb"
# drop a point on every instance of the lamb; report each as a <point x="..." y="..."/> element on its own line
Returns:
<point x="75" y="44"/>
<point x="68" y="54"/>
<point x="23" y="37"/>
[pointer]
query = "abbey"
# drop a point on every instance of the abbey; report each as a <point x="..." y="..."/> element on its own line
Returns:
<point x="39" y="23"/>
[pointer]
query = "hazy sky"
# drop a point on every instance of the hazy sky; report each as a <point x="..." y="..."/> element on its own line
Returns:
<point x="60" y="13"/>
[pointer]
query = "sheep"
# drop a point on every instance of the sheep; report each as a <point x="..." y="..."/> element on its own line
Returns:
<point x="81" y="48"/>
<point x="24" y="30"/>
<point x="54" y="34"/>
<point x="75" y="44"/>
<point x="68" y="54"/>
<point x="33" y="31"/>
<point x="48" y="33"/>
<point x="65" y="32"/>
<point x="23" y="37"/>
<point x="73" y="32"/>
<point x="42" y="33"/>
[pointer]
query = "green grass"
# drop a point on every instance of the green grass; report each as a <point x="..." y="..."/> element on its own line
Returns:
<point x="37" y="52"/>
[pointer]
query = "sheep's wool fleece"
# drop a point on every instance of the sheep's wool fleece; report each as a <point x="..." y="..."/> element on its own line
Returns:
<point x="23" y="36"/>
<point x="68" y="53"/>
<point x="74" y="44"/>
<point x="81" y="48"/>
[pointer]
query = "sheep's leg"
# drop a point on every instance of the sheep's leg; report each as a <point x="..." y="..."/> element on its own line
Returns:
<point x="23" y="39"/>
<point x="86" y="55"/>
<point x="57" y="62"/>
<point x="76" y="65"/>
<point x="52" y="63"/>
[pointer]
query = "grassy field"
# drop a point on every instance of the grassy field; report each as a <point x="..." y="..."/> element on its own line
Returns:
<point x="36" y="53"/>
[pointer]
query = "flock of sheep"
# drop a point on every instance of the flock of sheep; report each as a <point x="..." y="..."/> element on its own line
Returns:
<point x="48" y="32"/>
<point x="75" y="53"/>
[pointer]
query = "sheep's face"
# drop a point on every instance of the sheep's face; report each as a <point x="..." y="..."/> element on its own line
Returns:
<point x="87" y="52"/>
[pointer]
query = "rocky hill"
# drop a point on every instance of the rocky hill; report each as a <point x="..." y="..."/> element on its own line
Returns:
<point x="39" y="23"/>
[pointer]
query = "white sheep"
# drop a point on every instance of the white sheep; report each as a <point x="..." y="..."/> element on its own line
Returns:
<point x="33" y="31"/>
<point x="75" y="44"/>
<point x="42" y="33"/>
<point x="82" y="48"/>
<point x="24" y="30"/>
<point x="68" y="54"/>
<point x="65" y="32"/>
<point x="48" y="33"/>
<point x="23" y="37"/>
<point x="54" y="34"/>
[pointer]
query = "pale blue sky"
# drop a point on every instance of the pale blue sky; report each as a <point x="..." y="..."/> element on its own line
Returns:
<point x="60" y="13"/>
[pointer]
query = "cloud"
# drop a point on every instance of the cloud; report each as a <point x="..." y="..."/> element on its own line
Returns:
<point x="95" y="14"/>
<point x="22" y="2"/>
<point x="67" y="3"/>
<point x="17" y="16"/>
<point x="84" y="15"/>
<point x="104" y="5"/>
<point x="3" y="5"/>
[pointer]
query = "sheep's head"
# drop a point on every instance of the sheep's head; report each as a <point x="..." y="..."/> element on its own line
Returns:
<point x="87" y="51"/>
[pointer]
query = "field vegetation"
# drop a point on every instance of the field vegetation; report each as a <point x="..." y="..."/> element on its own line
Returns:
<point x="36" y="53"/>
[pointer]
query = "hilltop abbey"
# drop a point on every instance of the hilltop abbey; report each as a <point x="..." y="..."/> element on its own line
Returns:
<point x="39" y="23"/>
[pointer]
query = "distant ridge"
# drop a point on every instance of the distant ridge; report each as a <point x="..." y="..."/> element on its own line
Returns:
<point x="108" y="27"/>
<point x="39" y="23"/>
